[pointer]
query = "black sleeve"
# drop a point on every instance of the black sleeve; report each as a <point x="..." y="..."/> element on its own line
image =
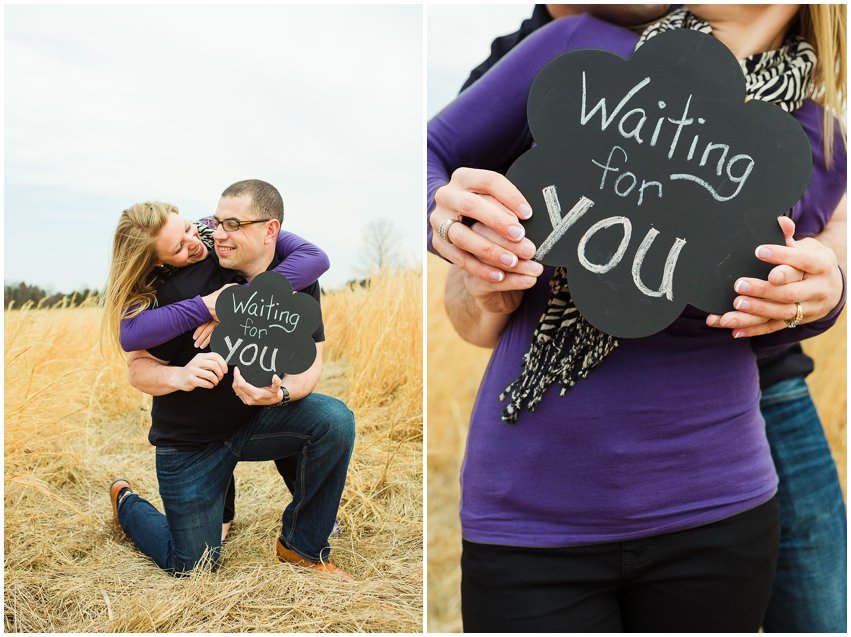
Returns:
<point x="503" y="44"/>
<point x="314" y="291"/>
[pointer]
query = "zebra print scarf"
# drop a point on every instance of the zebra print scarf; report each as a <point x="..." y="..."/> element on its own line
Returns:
<point x="781" y="77"/>
<point x="566" y="348"/>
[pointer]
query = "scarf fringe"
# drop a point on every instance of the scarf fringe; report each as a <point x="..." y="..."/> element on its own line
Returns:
<point x="566" y="356"/>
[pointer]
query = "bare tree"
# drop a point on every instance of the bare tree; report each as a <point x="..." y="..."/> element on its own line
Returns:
<point x="379" y="247"/>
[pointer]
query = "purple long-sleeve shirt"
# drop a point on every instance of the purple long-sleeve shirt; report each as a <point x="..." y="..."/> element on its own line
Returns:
<point x="666" y="433"/>
<point x="303" y="263"/>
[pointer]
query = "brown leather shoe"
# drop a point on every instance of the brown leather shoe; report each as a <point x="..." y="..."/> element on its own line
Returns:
<point x="288" y="555"/>
<point x="114" y="489"/>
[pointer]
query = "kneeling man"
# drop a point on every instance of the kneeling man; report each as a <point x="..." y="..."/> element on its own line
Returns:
<point x="206" y="417"/>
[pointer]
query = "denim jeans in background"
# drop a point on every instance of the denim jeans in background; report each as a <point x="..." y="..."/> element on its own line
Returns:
<point x="809" y="593"/>
<point x="317" y="431"/>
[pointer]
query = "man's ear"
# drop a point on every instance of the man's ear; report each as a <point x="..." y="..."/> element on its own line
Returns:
<point x="272" y="231"/>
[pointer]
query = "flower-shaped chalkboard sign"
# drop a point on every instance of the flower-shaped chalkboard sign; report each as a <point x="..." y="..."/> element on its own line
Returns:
<point x="654" y="181"/>
<point x="265" y="329"/>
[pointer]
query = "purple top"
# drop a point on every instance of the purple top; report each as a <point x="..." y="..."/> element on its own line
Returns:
<point x="303" y="264"/>
<point x="666" y="434"/>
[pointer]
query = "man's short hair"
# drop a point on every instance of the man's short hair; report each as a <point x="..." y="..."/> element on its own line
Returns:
<point x="266" y="201"/>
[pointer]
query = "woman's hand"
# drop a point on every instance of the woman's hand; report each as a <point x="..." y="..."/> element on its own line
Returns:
<point x="211" y="298"/>
<point x="496" y="204"/>
<point x="806" y="272"/>
<point x="202" y="334"/>
<point x="498" y="297"/>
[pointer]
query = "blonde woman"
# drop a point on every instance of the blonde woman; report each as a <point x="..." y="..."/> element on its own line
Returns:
<point x="642" y="499"/>
<point x="152" y="241"/>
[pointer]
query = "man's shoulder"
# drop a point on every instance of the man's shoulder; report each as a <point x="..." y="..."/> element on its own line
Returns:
<point x="587" y="32"/>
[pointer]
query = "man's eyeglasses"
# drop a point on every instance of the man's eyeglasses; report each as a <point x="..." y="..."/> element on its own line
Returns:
<point x="230" y="225"/>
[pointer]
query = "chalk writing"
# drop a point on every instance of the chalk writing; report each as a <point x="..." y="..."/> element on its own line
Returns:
<point x="248" y="354"/>
<point x="267" y="311"/>
<point x="266" y="328"/>
<point x="630" y="127"/>
<point x="560" y="227"/>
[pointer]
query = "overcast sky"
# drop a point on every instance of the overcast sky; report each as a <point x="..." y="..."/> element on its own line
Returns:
<point x="459" y="38"/>
<point x="106" y="106"/>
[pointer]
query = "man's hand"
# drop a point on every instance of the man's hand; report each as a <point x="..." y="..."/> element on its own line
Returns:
<point x="480" y="309"/>
<point x="807" y="272"/>
<point x="251" y="395"/>
<point x="154" y="376"/>
<point x="205" y="370"/>
<point x="497" y="205"/>
<point x="203" y="333"/>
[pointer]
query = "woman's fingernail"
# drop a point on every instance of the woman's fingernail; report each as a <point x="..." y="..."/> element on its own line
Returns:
<point x="509" y="259"/>
<point x="742" y="304"/>
<point x="738" y="334"/>
<point x="524" y="211"/>
<point x="712" y="319"/>
<point x="496" y="275"/>
<point x="742" y="287"/>
<point x="516" y="232"/>
<point x="762" y="252"/>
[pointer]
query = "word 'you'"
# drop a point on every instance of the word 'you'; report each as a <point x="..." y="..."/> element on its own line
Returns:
<point x="562" y="224"/>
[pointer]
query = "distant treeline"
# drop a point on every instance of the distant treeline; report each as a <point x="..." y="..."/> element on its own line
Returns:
<point x="19" y="295"/>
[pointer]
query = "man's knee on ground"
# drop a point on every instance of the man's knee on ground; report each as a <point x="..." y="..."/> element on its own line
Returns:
<point x="199" y="560"/>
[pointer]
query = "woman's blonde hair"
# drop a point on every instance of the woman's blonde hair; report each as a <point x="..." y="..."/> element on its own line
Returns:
<point x="823" y="26"/>
<point x="131" y="286"/>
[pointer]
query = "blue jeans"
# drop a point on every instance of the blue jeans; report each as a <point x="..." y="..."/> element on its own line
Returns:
<point x="809" y="588"/>
<point x="317" y="431"/>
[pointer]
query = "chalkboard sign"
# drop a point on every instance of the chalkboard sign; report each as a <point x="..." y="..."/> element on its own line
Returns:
<point x="653" y="181"/>
<point x="265" y="329"/>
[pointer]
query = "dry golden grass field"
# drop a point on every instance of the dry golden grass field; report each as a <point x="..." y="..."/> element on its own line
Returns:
<point x="73" y="423"/>
<point x="455" y="369"/>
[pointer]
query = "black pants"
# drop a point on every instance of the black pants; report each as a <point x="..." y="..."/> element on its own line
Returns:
<point x="713" y="578"/>
<point x="285" y="466"/>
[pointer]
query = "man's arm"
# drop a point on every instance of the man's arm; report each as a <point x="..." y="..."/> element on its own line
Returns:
<point x="298" y="385"/>
<point x="478" y="310"/>
<point x="835" y="236"/>
<point x="154" y="376"/>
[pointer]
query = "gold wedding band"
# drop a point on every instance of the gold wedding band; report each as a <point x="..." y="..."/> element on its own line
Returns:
<point x="443" y="230"/>
<point x="799" y="316"/>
